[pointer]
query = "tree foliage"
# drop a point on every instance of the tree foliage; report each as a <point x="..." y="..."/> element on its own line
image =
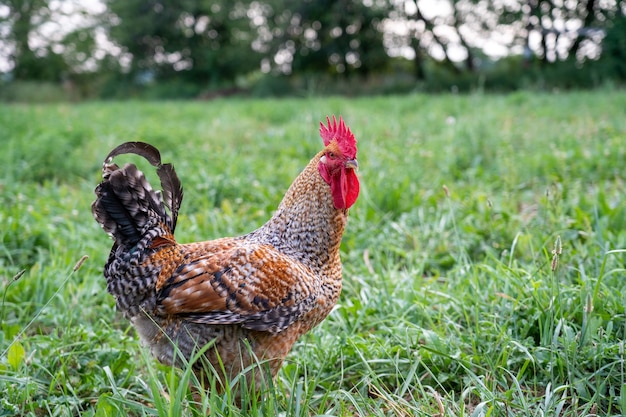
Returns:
<point x="614" y="47"/>
<point x="216" y="44"/>
<point x="24" y="16"/>
<point x="336" y="37"/>
<point x="49" y="40"/>
<point x="201" y="41"/>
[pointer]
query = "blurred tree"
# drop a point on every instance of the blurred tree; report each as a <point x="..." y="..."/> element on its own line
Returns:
<point x="22" y="18"/>
<point x="457" y="33"/>
<point x="450" y="33"/>
<point x="429" y="30"/>
<point x="559" y="30"/>
<point x="339" y="38"/>
<point x="614" y="45"/>
<point x="45" y="40"/>
<point x="587" y="13"/>
<point x="199" y="41"/>
<point x="200" y="44"/>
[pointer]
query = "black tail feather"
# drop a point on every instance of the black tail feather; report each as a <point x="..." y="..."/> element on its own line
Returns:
<point x="172" y="190"/>
<point x="126" y="206"/>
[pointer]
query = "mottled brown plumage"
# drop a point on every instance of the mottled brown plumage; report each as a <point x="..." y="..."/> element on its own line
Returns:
<point x="249" y="297"/>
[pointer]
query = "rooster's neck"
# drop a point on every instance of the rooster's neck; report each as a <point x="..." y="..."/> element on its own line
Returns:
<point x="306" y="225"/>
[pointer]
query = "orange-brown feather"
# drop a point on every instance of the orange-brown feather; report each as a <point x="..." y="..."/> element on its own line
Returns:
<point x="254" y="278"/>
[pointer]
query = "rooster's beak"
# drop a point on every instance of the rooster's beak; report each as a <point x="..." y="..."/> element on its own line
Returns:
<point x="352" y="164"/>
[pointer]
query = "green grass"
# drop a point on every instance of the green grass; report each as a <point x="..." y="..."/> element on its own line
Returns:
<point x="454" y="303"/>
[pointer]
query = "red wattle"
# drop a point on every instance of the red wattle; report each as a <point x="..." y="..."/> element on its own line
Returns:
<point x="353" y="188"/>
<point x="344" y="188"/>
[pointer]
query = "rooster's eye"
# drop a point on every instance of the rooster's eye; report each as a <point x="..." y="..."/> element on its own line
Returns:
<point x="331" y="155"/>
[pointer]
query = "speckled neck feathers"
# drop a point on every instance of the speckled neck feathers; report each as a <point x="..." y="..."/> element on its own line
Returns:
<point x="306" y="225"/>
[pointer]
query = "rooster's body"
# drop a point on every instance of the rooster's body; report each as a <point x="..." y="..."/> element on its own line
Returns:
<point x="250" y="297"/>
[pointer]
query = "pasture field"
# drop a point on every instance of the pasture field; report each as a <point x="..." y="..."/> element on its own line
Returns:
<point x="484" y="262"/>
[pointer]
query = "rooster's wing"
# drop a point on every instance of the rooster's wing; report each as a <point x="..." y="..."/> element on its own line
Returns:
<point x="236" y="282"/>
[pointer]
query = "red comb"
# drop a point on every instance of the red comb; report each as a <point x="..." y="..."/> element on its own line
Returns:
<point x="341" y="133"/>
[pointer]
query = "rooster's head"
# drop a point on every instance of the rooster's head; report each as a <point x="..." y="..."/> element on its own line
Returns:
<point x="338" y="163"/>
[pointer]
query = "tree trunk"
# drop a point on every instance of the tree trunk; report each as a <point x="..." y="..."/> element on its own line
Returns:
<point x="24" y="60"/>
<point x="588" y="21"/>
<point x="469" y="62"/>
<point x="430" y="27"/>
<point x="418" y="60"/>
<point x="21" y="29"/>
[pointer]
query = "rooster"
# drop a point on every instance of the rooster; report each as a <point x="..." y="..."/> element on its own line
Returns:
<point x="241" y="300"/>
